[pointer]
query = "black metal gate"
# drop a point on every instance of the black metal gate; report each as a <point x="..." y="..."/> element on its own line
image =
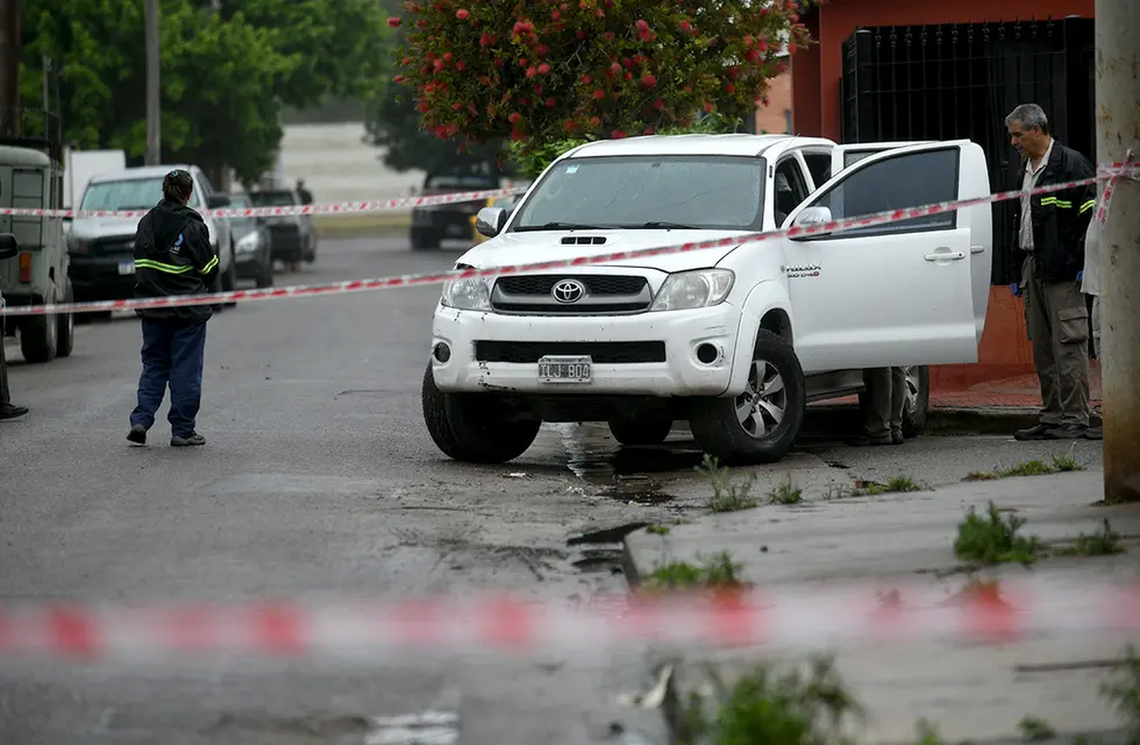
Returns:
<point x="955" y="81"/>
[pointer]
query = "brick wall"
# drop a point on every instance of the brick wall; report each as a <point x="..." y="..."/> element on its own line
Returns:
<point x="775" y="118"/>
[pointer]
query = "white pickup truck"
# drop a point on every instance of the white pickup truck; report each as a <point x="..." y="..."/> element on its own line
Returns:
<point x="736" y="340"/>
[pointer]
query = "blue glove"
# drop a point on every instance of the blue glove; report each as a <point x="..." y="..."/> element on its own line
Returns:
<point x="1015" y="288"/>
<point x="1081" y="275"/>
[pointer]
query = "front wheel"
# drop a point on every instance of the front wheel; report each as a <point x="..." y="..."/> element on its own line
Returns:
<point x="39" y="338"/>
<point x="471" y="427"/>
<point x="762" y="423"/>
<point x="917" y="400"/>
<point x="229" y="279"/>
<point x="65" y="333"/>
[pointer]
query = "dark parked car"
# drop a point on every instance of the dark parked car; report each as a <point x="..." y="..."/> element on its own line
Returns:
<point x="433" y="223"/>
<point x="291" y="237"/>
<point x="252" y="244"/>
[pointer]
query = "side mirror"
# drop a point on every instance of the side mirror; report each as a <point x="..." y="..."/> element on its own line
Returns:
<point x="812" y="217"/>
<point x="490" y="221"/>
<point x="217" y="201"/>
<point x="9" y="246"/>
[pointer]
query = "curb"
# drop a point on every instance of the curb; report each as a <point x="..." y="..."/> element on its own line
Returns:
<point x="941" y="420"/>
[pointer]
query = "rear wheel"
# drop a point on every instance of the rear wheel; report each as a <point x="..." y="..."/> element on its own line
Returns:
<point x="65" y="332"/>
<point x="39" y="338"/>
<point x="647" y="429"/>
<point x="423" y="238"/>
<point x="471" y="427"/>
<point x="761" y="424"/>
<point x="229" y="279"/>
<point x="917" y="400"/>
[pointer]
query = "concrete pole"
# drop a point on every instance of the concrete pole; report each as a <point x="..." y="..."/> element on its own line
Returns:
<point x="1118" y="129"/>
<point x="153" y="89"/>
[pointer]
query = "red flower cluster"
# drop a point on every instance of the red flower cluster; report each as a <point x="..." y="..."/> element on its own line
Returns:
<point x="589" y="67"/>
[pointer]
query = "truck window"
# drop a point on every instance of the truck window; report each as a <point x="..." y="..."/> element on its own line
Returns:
<point x="791" y="188"/>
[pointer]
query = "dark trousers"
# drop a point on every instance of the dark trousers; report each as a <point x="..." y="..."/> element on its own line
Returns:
<point x="886" y="390"/>
<point x="1058" y="321"/>
<point x="172" y="353"/>
<point x="5" y="394"/>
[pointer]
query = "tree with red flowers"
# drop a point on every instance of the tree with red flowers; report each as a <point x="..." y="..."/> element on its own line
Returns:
<point x="546" y="70"/>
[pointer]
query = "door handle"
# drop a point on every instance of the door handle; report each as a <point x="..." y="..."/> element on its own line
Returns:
<point x="945" y="254"/>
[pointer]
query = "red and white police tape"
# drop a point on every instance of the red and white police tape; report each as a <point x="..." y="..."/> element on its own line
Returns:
<point x="346" y="208"/>
<point x="1105" y="173"/>
<point x="793" y="616"/>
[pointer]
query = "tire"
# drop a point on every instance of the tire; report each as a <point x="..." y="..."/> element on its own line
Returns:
<point x="715" y="423"/>
<point x="229" y="279"/>
<point x="39" y="338"/>
<point x="917" y="400"/>
<point x="422" y="239"/>
<point x="917" y="405"/>
<point x="464" y="426"/>
<point x="65" y="334"/>
<point x="311" y="249"/>
<point x="649" y="429"/>
<point x="265" y="275"/>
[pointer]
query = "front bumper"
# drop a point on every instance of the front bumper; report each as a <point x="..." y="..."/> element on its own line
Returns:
<point x="619" y="346"/>
<point x="102" y="277"/>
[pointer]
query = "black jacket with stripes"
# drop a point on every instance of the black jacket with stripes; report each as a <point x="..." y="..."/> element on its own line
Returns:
<point x="173" y="256"/>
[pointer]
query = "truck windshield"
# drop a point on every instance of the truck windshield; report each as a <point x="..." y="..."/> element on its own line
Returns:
<point x="128" y="194"/>
<point x="652" y="192"/>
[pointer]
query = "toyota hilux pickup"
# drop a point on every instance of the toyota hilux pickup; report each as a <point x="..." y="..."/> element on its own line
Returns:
<point x="737" y="339"/>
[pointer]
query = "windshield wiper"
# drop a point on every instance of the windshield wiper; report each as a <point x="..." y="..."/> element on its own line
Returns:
<point x="559" y="226"/>
<point x="667" y="225"/>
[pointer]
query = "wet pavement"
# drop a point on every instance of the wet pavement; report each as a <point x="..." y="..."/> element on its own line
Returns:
<point x="320" y="480"/>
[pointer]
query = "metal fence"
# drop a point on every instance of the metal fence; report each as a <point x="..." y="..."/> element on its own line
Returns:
<point x="952" y="81"/>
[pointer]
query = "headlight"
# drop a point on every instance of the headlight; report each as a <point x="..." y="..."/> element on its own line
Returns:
<point x="696" y="289"/>
<point x="77" y="245"/>
<point x="466" y="294"/>
<point x="248" y="243"/>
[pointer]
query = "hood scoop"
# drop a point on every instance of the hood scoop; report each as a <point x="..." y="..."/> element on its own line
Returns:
<point x="583" y="240"/>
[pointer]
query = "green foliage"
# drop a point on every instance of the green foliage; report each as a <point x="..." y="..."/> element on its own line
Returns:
<point x="483" y="70"/>
<point x="994" y="540"/>
<point x="718" y="571"/>
<point x="728" y="496"/>
<point x="225" y="75"/>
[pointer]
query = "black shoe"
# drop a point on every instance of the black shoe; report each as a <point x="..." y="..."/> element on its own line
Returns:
<point x="188" y="441"/>
<point x="866" y="441"/>
<point x="8" y="411"/>
<point x="137" y="435"/>
<point x="1036" y="432"/>
<point x="1094" y="433"/>
<point x="1066" y="432"/>
<point x="897" y="437"/>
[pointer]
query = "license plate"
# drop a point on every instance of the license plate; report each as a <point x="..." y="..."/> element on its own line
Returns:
<point x="565" y="369"/>
<point x="126" y="267"/>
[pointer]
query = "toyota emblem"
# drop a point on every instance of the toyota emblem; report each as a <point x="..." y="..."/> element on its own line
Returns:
<point x="568" y="291"/>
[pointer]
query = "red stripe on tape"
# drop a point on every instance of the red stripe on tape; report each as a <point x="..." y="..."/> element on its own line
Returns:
<point x="73" y="631"/>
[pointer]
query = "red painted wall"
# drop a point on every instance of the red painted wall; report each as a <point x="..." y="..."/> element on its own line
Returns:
<point x="1005" y="350"/>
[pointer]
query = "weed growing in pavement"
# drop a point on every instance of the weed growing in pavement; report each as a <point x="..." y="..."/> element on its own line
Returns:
<point x="727" y="496"/>
<point x="895" y="484"/>
<point x="786" y="493"/>
<point x="1058" y="464"/>
<point x="658" y="529"/>
<point x="995" y="540"/>
<point x="766" y="707"/>
<point x="902" y="484"/>
<point x="1123" y="692"/>
<point x="716" y="572"/>
<point x="1033" y="728"/>
<point x="1104" y="543"/>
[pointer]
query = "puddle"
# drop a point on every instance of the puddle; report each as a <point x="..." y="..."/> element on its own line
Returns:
<point x="636" y="489"/>
<point x="615" y="534"/>
<point x="599" y="561"/>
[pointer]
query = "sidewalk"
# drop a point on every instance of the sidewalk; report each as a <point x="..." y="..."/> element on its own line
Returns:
<point x="969" y="691"/>
<point x="990" y="407"/>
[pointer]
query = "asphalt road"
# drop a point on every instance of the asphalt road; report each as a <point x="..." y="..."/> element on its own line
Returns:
<point x="319" y="480"/>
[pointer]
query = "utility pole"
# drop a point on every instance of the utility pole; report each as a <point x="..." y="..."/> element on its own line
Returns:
<point x="153" y="88"/>
<point x="1118" y="130"/>
<point x="11" y="28"/>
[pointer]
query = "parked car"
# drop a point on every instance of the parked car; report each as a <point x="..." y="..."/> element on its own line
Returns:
<point x="291" y="237"/>
<point x="737" y="339"/>
<point x="102" y="248"/>
<point x="37" y="273"/>
<point x="252" y="246"/>
<point x="431" y="224"/>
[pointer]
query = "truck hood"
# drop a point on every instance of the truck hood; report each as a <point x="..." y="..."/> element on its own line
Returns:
<point x="104" y="227"/>
<point x="512" y="249"/>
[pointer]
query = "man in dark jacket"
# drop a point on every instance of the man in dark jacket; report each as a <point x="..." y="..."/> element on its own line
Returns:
<point x="173" y="256"/>
<point x="1050" y="235"/>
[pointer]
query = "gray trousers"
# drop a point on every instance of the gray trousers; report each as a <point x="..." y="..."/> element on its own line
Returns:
<point x="886" y="400"/>
<point x="1058" y="322"/>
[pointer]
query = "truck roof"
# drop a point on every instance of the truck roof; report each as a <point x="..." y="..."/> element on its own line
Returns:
<point x="140" y="172"/>
<point x="690" y="144"/>
<point x="23" y="156"/>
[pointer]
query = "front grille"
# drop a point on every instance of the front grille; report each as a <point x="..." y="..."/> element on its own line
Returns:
<point x="604" y="293"/>
<point x="596" y="284"/>
<point x="602" y="352"/>
<point x="113" y="246"/>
